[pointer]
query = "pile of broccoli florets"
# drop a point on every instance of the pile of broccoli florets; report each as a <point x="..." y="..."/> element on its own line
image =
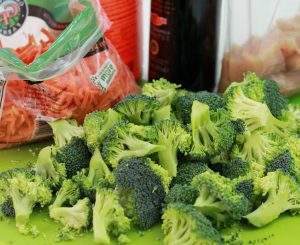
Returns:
<point x="197" y="161"/>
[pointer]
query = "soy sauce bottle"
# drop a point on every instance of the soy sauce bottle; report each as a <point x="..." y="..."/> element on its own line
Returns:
<point x="183" y="42"/>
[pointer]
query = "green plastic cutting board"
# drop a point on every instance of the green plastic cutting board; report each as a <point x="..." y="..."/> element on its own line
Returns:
<point x="284" y="231"/>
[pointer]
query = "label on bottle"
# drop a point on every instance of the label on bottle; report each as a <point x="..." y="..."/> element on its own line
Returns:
<point x="161" y="38"/>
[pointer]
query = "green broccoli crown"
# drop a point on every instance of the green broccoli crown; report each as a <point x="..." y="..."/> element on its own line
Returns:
<point x="108" y="216"/>
<point x="235" y="168"/>
<point x="212" y="132"/>
<point x="125" y="140"/>
<point x="7" y="208"/>
<point x="239" y="126"/>
<point x="142" y="191"/>
<point x="281" y="192"/>
<point x="68" y="192"/>
<point x="264" y="91"/>
<point x="182" y="224"/>
<point x="187" y="171"/>
<point x="47" y="167"/>
<point x="64" y="131"/>
<point x="218" y="198"/>
<point x="256" y="146"/>
<point x="182" y="105"/>
<point x="138" y="109"/>
<point x="26" y="190"/>
<point x="75" y="155"/>
<point x="77" y="217"/>
<point x="96" y="126"/>
<point x="186" y="194"/>
<point x="175" y="138"/>
<point x="162" y="89"/>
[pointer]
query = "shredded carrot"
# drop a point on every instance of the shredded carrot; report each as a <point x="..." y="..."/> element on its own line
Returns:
<point x="70" y="95"/>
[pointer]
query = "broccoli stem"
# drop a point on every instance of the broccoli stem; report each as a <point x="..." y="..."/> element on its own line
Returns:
<point x="23" y="208"/>
<point x="44" y="165"/>
<point x="179" y="233"/>
<point x="101" y="214"/>
<point x="168" y="159"/>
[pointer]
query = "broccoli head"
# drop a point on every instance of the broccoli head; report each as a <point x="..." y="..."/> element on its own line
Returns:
<point x="218" y="199"/>
<point x="64" y="131"/>
<point x="108" y="216"/>
<point x="175" y="138"/>
<point x="182" y="194"/>
<point x="26" y="190"/>
<point x="182" y="224"/>
<point x="182" y="105"/>
<point x="138" y="109"/>
<point x="142" y="191"/>
<point x="212" y="132"/>
<point x="75" y="155"/>
<point x="96" y="126"/>
<point x="235" y="168"/>
<point x="281" y="192"/>
<point x="162" y="89"/>
<point x="128" y="140"/>
<point x="187" y="171"/>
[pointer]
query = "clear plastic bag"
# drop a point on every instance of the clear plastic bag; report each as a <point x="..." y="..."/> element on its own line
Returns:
<point x="260" y="36"/>
<point x="56" y="73"/>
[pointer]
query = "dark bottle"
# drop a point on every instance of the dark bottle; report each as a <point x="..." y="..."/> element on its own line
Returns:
<point x="183" y="42"/>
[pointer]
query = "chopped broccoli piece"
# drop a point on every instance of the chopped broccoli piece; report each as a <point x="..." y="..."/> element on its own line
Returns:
<point x="138" y="109"/>
<point x="96" y="126"/>
<point x="26" y="190"/>
<point x="235" y="168"/>
<point x="108" y="216"/>
<point x="182" y="224"/>
<point x="47" y="167"/>
<point x="282" y="194"/>
<point x="77" y="217"/>
<point x="212" y="132"/>
<point x="75" y="155"/>
<point x="162" y="89"/>
<point x="218" y="199"/>
<point x="69" y="192"/>
<point x="141" y="191"/>
<point x="187" y="171"/>
<point x="182" y="105"/>
<point x="64" y="131"/>
<point x="175" y="138"/>
<point x="125" y="140"/>
<point x="182" y="194"/>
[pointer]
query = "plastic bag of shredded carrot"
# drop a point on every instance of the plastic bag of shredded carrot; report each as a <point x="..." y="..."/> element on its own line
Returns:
<point x="55" y="63"/>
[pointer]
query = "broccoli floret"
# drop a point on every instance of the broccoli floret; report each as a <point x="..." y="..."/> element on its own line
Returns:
<point x="218" y="199"/>
<point x="239" y="126"/>
<point x="182" y="224"/>
<point x="47" y="167"/>
<point x="75" y="155"/>
<point x="256" y="146"/>
<point x="212" y="132"/>
<point x="141" y="191"/>
<point x="187" y="171"/>
<point x="96" y="126"/>
<point x="68" y="193"/>
<point x="163" y="113"/>
<point x="162" y="89"/>
<point x="182" y="194"/>
<point x="235" y="168"/>
<point x="182" y="105"/>
<point x="108" y="216"/>
<point x="282" y="194"/>
<point x="175" y="138"/>
<point x="77" y="217"/>
<point x="64" y="131"/>
<point x="138" y="109"/>
<point x="245" y="186"/>
<point x="264" y="91"/>
<point x="128" y="140"/>
<point x="26" y="190"/>
<point x="7" y="208"/>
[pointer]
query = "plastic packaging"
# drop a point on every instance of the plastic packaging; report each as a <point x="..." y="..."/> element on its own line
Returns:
<point x="57" y="74"/>
<point x="260" y="36"/>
